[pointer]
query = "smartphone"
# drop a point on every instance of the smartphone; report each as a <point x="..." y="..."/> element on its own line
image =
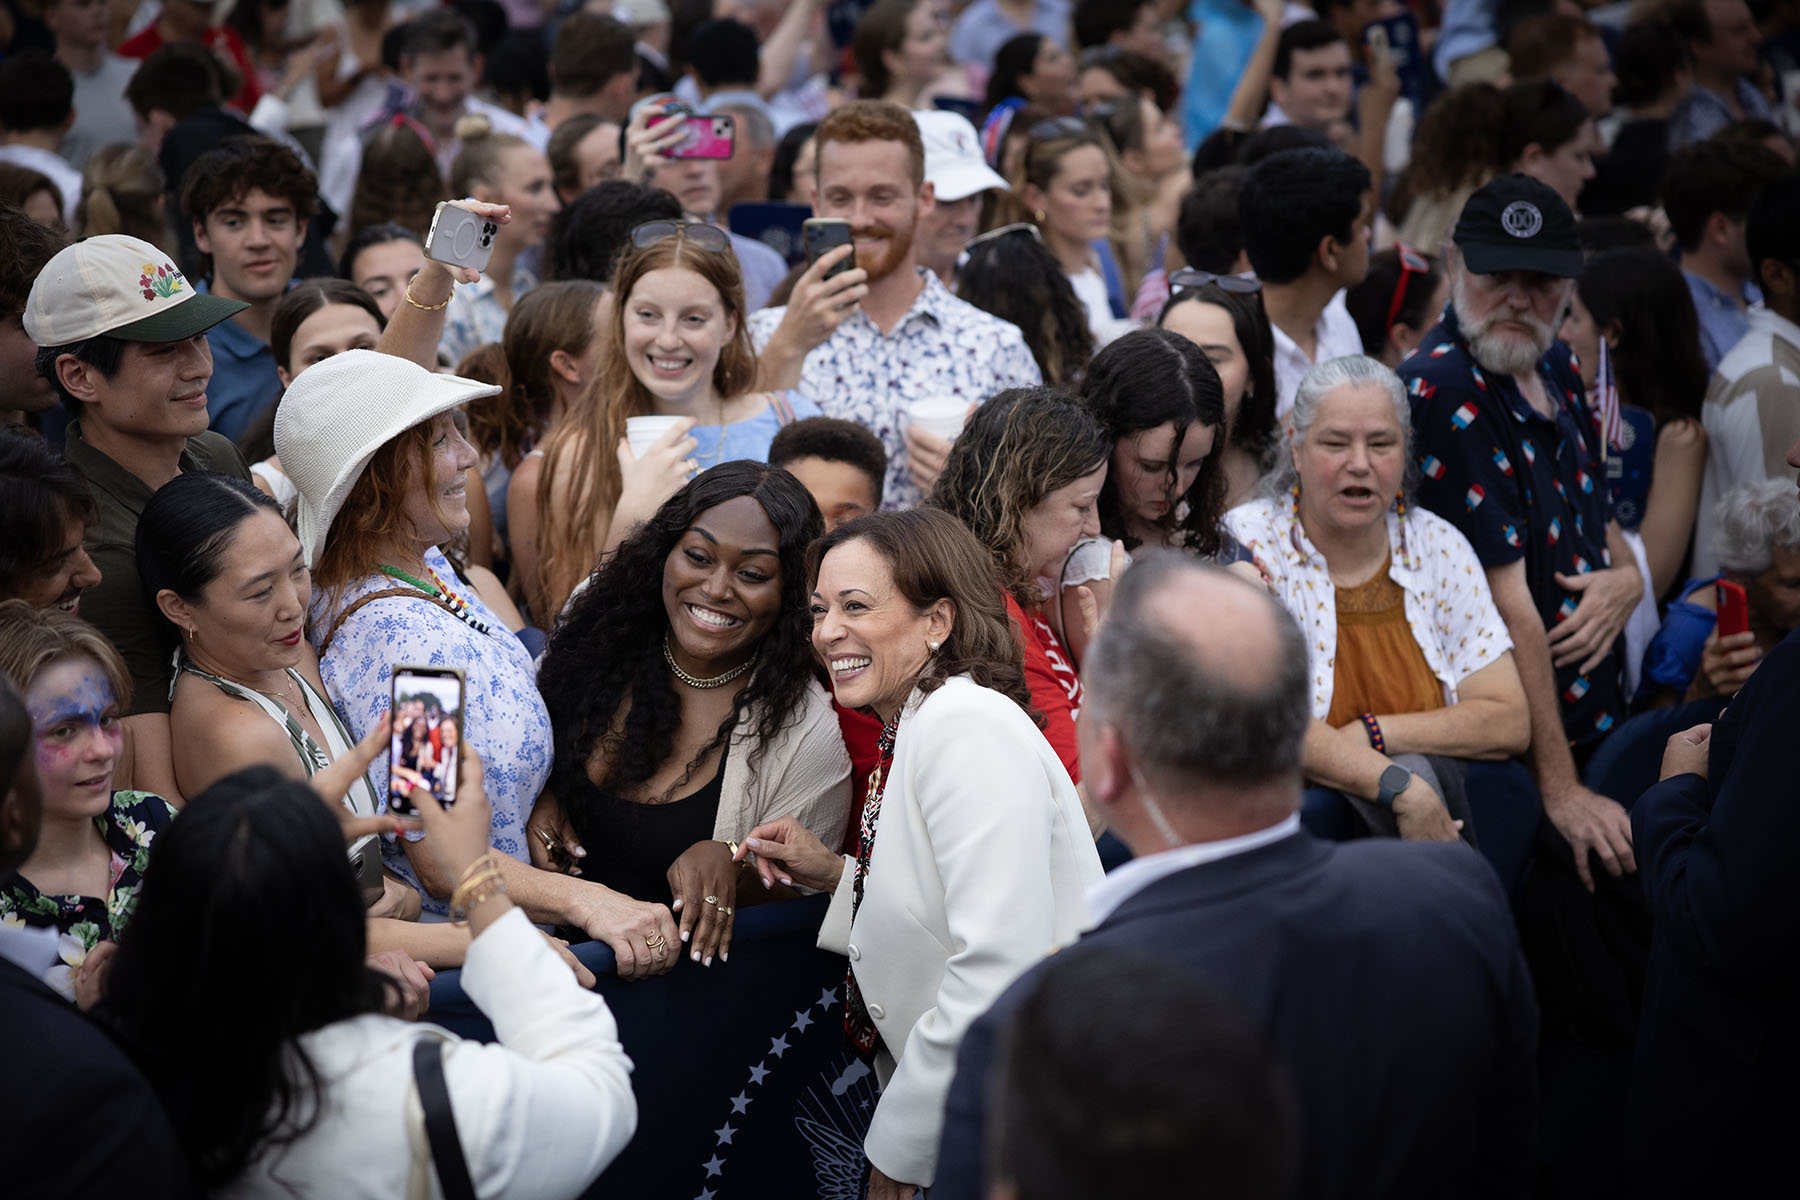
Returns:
<point x="706" y="135"/>
<point x="1734" y="608"/>
<point x="424" y="746"/>
<point x="781" y="227"/>
<point x="826" y="233"/>
<point x="365" y="860"/>
<point x="1399" y="37"/>
<point x="460" y="238"/>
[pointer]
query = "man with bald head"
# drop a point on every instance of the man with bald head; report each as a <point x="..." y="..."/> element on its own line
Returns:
<point x="1385" y="975"/>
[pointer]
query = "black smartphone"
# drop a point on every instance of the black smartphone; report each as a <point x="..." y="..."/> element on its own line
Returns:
<point x="822" y="234"/>
<point x="425" y="745"/>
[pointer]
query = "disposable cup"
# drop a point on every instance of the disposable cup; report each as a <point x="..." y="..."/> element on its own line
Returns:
<point x="942" y="415"/>
<point x="642" y="432"/>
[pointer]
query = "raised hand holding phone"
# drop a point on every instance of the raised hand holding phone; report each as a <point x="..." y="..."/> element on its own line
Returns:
<point x="426" y="732"/>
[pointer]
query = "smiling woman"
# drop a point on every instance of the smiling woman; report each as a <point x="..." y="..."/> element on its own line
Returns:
<point x="688" y="715"/>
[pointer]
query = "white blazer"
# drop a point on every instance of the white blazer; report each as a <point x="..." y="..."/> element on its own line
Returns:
<point x="540" y="1115"/>
<point x="981" y="862"/>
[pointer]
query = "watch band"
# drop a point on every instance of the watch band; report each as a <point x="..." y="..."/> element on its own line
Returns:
<point x="1394" y="780"/>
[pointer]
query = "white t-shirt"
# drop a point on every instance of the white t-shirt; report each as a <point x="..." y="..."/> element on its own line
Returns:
<point x="1335" y="334"/>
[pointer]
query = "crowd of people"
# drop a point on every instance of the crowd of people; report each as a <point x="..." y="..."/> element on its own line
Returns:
<point x="1292" y="507"/>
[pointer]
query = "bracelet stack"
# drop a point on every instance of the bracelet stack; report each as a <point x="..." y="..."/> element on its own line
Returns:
<point x="1374" y="731"/>
<point x="480" y="883"/>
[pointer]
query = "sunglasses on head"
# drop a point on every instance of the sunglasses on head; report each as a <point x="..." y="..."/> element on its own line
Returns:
<point x="707" y="237"/>
<point x="1411" y="263"/>
<point x="1237" y="285"/>
<point x="996" y="234"/>
<point x="1061" y="127"/>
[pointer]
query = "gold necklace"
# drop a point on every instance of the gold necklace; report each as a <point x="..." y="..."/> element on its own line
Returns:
<point x="696" y="681"/>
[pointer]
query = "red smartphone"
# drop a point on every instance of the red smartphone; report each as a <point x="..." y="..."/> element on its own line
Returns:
<point x="706" y="136"/>
<point x="427" y="703"/>
<point x="1734" y="608"/>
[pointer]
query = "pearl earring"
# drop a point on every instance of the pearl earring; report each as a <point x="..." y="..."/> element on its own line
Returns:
<point x="933" y="646"/>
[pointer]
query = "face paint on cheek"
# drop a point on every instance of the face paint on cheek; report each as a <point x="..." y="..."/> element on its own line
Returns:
<point x="69" y="704"/>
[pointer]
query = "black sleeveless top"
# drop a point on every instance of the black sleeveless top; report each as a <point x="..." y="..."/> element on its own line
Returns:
<point x="631" y="846"/>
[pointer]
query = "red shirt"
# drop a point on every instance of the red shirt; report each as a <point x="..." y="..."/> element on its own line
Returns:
<point x="1054" y="683"/>
<point x="219" y="38"/>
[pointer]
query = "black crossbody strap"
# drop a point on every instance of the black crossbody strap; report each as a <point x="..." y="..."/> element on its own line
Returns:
<point x="440" y="1120"/>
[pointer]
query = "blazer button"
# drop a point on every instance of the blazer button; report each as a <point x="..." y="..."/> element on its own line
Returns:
<point x="876" y="1011"/>
<point x="854" y="953"/>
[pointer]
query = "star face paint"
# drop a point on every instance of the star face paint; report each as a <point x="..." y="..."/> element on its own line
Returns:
<point x="75" y="724"/>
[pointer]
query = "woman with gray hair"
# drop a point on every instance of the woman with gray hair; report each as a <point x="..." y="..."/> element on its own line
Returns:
<point x="1758" y="544"/>
<point x="1412" y="667"/>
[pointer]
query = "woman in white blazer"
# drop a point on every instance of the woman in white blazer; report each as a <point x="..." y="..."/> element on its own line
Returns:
<point x="242" y="987"/>
<point x="973" y="855"/>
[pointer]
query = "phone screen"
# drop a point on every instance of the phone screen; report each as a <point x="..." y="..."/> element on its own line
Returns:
<point x="424" y="748"/>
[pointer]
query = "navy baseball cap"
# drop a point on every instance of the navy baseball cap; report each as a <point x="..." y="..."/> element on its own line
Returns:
<point x="1516" y="223"/>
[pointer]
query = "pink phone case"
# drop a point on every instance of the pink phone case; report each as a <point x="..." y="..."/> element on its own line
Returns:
<point x="707" y="136"/>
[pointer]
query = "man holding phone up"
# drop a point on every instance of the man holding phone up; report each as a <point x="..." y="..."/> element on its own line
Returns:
<point x="865" y="343"/>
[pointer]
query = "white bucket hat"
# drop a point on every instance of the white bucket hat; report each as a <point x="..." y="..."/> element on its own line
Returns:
<point x="339" y="412"/>
<point x="953" y="163"/>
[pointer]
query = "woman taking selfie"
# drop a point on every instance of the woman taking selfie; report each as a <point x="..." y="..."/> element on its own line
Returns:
<point x="972" y="853"/>
<point x="676" y="346"/>
<point x="369" y="440"/>
<point x="1412" y="665"/>
<point x="687" y="714"/>
<point x="1025" y="475"/>
<point x="312" y="1087"/>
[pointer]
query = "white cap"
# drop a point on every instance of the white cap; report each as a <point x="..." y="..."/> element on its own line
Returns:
<point x="122" y="287"/>
<point x="339" y="412"/>
<point x="953" y="163"/>
<point x="640" y="14"/>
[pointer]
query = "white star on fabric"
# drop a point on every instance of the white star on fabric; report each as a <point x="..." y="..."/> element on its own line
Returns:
<point x="757" y="1072"/>
<point x="740" y="1102"/>
<point x="827" y="999"/>
<point x="713" y="1166"/>
<point x="802" y="1020"/>
<point x="778" y="1047"/>
<point x="724" y="1135"/>
<point x="706" y="1194"/>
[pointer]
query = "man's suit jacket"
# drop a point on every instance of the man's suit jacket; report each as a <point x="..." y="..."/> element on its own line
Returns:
<point x="81" y="1120"/>
<point x="1388" y="982"/>
<point x="1718" y="1054"/>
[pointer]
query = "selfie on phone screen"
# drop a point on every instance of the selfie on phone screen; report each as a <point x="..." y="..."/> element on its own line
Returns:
<point x="427" y="734"/>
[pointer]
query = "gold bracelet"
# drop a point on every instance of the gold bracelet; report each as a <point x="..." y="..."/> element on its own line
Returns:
<point x="731" y="846"/>
<point x="482" y="862"/>
<point x="428" y="307"/>
<point x="468" y="886"/>
<point x="487" y="887"/>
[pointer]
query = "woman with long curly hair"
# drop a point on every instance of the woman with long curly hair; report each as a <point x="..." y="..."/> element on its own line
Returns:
<point x="676" y="345"/>
<point x="1025" y="475"/>
<point x="687" y="714"/>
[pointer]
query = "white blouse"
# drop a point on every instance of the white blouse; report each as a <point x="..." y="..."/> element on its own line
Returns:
<point x="1449" y="608"/>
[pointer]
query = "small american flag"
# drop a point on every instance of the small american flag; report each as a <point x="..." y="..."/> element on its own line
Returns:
<point x="1603" y="399"/>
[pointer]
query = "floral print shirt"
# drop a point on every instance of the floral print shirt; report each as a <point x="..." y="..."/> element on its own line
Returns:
<point x="941" y="347"/>
<point x="129" y="827"/>
<point x="507" y="723"/>
<point x="1449" y="608"/>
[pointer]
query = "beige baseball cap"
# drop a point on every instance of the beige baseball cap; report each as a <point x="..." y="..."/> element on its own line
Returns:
<point x="122" y="287"/>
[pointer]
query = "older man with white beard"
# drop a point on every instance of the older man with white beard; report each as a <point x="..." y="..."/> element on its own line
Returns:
<point x="1510" y="454"/>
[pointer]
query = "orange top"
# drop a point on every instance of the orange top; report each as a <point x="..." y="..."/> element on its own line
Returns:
<point x="1379" y="668"/>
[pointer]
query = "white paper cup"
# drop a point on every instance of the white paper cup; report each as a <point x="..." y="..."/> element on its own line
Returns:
<point x="642" y="432"/>
<point x="942" y="415"/>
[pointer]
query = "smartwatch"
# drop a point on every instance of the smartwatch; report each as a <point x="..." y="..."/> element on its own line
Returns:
<point x="1393" y="781"/>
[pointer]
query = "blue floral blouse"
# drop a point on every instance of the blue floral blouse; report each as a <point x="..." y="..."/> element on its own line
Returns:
<point x="507" y="723"/>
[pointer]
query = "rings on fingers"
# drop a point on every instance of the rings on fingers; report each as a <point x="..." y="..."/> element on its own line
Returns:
<point x="712" y="900"/>
<point x="655" y="941"/>
<point x="726" y="909"/>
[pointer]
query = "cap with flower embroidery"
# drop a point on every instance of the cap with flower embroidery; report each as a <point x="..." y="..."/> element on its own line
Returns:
<point x="122" y="287"/>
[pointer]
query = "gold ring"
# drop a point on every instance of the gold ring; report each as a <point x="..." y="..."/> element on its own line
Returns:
<point x="712" y="900"/>
<point x="551" y="842"/>
<point x="657" y="943"/>
<point x="727" y="910"/>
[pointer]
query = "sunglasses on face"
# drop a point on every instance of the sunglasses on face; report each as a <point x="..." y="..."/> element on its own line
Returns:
<point x="707" y="237"/>
<point x="1411" y="263"/>
<point x="1237" y="285"/>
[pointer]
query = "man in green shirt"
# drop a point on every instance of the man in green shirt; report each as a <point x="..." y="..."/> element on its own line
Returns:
<point x="121" y="337"/>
